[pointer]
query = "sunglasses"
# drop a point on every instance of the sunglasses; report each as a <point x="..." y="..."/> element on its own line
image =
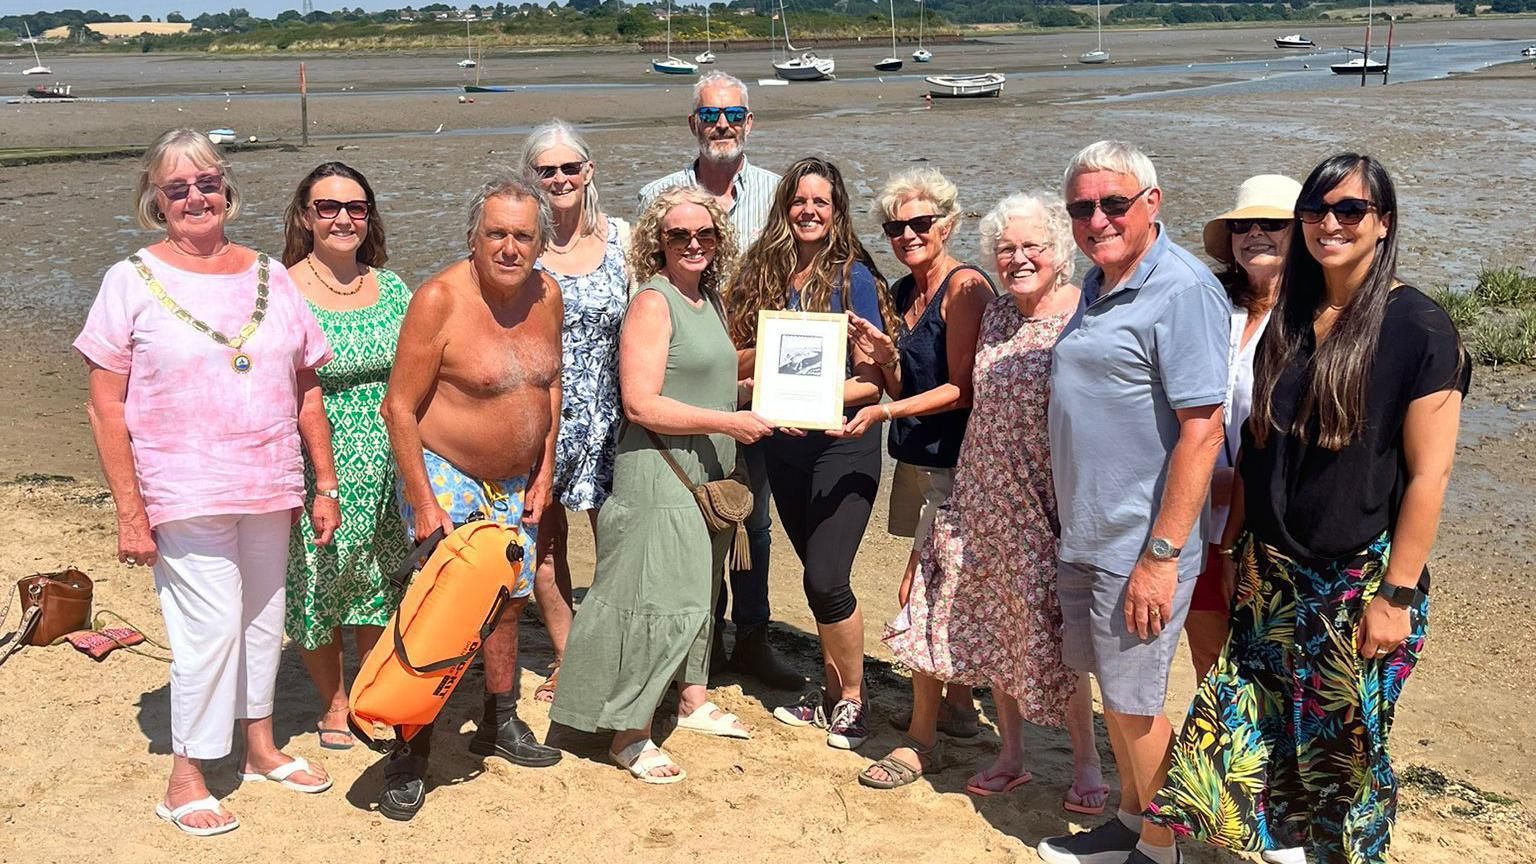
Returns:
<point x="1349" y="211"/>
<point x="1112" y="205"/>
<point x="682" y="238"/>
<point x="919" y="225"/>
<point x="1268" y="226"/>
<point x="569" y="169"/>
<point x="734" y="115"/>
<point x="327" y="208"/>
<point x="208" y="184"/>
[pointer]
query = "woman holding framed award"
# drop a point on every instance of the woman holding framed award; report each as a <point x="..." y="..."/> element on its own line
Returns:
<point x="809" y="260"/>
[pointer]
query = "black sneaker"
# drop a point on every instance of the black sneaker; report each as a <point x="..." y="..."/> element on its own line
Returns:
<point x="847" y="728"/>
<point x="405" y="786"/>
<point x="1110" y="843"/>
<point x="811" y="710"/>
<point x="514" y="742"/>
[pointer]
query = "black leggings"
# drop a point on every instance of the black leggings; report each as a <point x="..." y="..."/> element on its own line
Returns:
<point x="824" y="488"/>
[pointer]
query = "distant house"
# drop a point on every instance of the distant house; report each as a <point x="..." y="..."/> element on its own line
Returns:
<point x="124" y="30"/>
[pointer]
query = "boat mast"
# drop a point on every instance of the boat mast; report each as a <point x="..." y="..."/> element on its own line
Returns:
<point x="709" y="43"/>
<point x="669" y="29"/>
<point x="33" y="42"/>
<point x="920" y="16"/>
<point x="893" y="28"/>
<point x="1099" y="19"/>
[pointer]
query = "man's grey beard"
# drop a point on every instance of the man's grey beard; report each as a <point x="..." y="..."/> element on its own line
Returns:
<point x="708" y="153"/>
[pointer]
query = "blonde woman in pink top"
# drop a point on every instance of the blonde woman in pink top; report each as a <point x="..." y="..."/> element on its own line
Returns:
<point x="202" y="357"/>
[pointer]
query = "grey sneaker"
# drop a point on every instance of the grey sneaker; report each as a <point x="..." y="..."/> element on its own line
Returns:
<point x="1110" y="843"/>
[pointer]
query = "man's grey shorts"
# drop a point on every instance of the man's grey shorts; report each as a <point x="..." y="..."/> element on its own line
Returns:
<point x="1133" y="675"/>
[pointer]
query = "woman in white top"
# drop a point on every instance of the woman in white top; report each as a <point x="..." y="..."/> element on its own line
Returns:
<point x="1251" y="240"/>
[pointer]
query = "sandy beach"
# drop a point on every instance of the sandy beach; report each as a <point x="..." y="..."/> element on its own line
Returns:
<point x="86" y="745"/>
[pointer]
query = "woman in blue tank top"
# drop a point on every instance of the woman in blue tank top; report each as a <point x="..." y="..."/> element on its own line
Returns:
<point x="926" y="369"/>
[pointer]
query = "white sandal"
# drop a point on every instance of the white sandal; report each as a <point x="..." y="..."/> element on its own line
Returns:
<point x="643" y="757"/>
<point x="281" y="773"/>
<point x="723" y="726"/>
<point x="201" y="805"/>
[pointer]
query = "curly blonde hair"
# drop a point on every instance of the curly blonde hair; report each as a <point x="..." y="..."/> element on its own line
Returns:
<point x="646" y="256"/>
<point x="763" y="281"/>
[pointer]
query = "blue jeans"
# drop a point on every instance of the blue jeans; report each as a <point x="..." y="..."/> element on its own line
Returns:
<point x="749" y="588"/>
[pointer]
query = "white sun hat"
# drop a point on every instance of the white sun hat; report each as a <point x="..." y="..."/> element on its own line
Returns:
<point x="1266" y="196"/>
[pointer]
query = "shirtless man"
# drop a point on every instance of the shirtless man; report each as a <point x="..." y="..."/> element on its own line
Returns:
<point x="471" y="411"/>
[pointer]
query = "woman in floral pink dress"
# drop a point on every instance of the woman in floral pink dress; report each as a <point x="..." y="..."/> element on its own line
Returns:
<point x="983" y="608"/>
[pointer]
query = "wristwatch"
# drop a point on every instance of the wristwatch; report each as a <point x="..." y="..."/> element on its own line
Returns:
<point x="1162" y="550"/>
<point x="333" y="494"/>
<point x="1401" y="596"/>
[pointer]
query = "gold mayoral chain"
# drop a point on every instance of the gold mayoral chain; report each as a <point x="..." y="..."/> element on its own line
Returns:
<point x="241" y="362"/>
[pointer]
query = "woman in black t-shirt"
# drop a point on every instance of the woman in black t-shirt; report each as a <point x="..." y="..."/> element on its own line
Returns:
<point x="1345" y="460"/>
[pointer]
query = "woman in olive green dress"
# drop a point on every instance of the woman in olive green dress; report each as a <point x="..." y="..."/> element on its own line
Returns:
<point x="647" y="619"/>
<point x="334" y="248"/>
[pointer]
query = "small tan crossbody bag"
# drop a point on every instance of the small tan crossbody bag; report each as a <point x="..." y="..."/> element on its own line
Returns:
<point x="725" y="504"/>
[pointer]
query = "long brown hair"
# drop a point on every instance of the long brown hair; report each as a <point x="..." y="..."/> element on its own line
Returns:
<point x="299" y="240"/>
<point x="763" y="281"/>
<point x="1341" y="367"/>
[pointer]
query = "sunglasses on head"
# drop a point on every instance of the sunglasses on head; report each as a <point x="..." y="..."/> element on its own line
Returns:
<point x="919" y="225"/>
<point x="734" y="115"/>
<point x="208" y="184"/>
<point x="569" y="169"/>
<point x="1349" y="211"/>
<point x="328" y="208"/>
<point x="1112" y="205"/>
<point x="682" y="238"/>
<point x="1268" y="226"/>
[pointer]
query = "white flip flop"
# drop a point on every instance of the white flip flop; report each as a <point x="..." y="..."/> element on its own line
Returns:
<point x="643" y="757"/>
<point x="723" y="726"/>
<point x="201" y="805"/>
<point x="281" y="773"/>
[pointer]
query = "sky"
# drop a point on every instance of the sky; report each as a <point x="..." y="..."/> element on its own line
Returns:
<point x="192" y="8"/>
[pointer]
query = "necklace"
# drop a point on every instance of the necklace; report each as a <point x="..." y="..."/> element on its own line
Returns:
<point x="310" y="260"/>
<point x="241" y="362"/>
<point x="561" y="250"/>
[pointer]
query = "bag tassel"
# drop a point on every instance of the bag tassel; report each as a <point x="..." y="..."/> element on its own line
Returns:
<point x="741" y="550"/>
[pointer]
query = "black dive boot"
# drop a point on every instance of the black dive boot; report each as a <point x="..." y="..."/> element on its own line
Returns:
<point x="502" y="734"/>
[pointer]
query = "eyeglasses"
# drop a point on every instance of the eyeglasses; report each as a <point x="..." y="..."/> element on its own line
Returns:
<point x="327" y="208"/>
<point x="569" y="169"/>
<point x="1268" y="226"/>
<point x="1349" y="211"/>
<point x="208" y="184"/>
<point x="1112" y="205"/>
<point x="709" y="116"/>
<point x="682" y="238"/>
<point x="919" y="224"/>
<point x="1030" y="250"/>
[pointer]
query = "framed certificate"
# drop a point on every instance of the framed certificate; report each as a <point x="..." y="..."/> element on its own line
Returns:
<point x="800" y="370"/>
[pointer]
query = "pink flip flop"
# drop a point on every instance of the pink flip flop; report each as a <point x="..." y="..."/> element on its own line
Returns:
<point x="1071" y="806"/>
<point x="1014" y="782"/>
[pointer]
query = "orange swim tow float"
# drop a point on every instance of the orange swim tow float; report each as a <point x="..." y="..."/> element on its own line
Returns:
<point x="459" y="586"/>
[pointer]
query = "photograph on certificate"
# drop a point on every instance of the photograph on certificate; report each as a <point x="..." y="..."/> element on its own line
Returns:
<point x="801" y="368"/>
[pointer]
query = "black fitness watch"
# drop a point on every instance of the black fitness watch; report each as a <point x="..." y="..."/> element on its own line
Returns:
<point x="1401" y="596"/>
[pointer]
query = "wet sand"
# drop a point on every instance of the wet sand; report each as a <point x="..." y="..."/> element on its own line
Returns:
<point x="1457" y="148"/>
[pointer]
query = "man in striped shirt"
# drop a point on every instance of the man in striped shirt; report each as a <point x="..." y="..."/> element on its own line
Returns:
<point x="744" y="191"/>
<point x="722" y="120"/>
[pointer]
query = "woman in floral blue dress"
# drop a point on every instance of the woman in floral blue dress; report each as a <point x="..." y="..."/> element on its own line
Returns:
<point x="334" y="246"/>
<point x="586" y="256"/>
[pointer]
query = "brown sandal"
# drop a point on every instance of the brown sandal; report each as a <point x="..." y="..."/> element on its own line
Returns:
<point x="546" y="690"/>
<point x="899" y="773"/>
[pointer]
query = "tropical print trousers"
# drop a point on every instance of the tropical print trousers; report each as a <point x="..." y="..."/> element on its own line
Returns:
<point x="1285" y="743"/>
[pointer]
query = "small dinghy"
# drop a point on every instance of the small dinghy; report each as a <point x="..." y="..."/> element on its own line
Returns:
<point x="966" y="86"/>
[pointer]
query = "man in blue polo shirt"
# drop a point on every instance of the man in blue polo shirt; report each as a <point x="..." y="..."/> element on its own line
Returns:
<point x="1137" y="384"/>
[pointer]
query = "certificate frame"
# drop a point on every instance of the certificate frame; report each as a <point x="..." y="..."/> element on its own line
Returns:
<point x="800" y="368"/>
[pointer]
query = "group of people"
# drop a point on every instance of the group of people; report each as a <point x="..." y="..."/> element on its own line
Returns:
<point x="1087" y="468"/>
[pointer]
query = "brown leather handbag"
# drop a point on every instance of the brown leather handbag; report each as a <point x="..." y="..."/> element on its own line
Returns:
<point x="725" y="503"/>
<point x="53" y="604"/>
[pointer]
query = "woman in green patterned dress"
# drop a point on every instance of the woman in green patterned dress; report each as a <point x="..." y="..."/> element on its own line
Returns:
<point x="334" y="246"/>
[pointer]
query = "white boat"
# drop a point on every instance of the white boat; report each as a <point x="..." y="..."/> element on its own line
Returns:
<point x="966" y="86"/>
<point x="1098" y="55"/>
<point x="708" y="54"/>
<point x="891" y="63"/>
<point x="808" y="66"/>
<point x="1359" y="65"/>
<point x="1295" y="40"/>
<point x="39" y="69"/>
<point x="921" y="55"/>
<point x="1529" y="52"/>
<point x="222" y="135"/>
<point x="672" y="65"/>
<point x="469" y="51"/>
